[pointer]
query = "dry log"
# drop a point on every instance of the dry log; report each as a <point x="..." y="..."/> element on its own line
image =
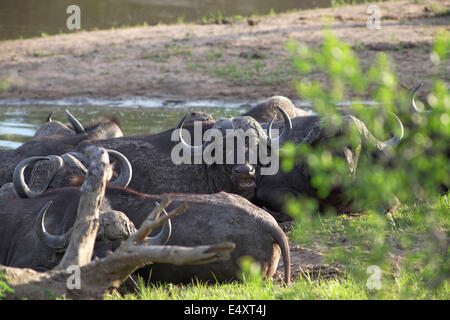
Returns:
<point x="79" y="251"/>
<point x="76" y="277"/>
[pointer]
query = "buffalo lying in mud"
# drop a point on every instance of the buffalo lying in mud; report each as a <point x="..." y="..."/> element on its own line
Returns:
<point x="273" y="190"/>
<point x="27" y="241"/>
<point x="55" y="138"/>
<point x="209" y="219"/>
<point x="158" y="166"/>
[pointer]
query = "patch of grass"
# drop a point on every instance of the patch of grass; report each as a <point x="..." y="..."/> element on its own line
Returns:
<point x="181" y="51"/>
<point x="358" y="45"/>
<point x="214" y="55"/>
<point x="37" y="54"/>
<point x="341" y="3"/>
<point x="180" y="20"/>
<point x="219" y="18"/>
<point x="441" y="12"/>
<point x="4" y="85"/>
<point x="165" y="53"/>
<point x="242" y="71"/>
<point x="127" y="26"/>
<point x="4" y="286"/>
<point x="213" y="17"/>
<point x="237" y="72"/>
<point x="405" y="277"/>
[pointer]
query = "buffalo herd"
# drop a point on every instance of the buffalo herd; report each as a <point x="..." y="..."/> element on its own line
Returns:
<point x="228" y="199"/>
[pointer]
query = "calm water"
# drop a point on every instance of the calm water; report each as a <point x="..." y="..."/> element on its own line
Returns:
<point x="30" y="18"/>
<point x="19" y="119"/>
<point x="19" y="123"/>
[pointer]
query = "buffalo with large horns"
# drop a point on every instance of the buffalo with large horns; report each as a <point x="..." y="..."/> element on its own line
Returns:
<point x="52" y="172"/>
<point x="316" y="131"/>
<point x="208" y="219"/>
<point x="55" y="138"/>
<point x="226" y="155"/>
<point x="34" y="233"/>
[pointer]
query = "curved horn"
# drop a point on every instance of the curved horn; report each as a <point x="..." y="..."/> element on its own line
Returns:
<point x="80" y="157"/>
<point x="163" y="236"/>
<point x="179" y="127"/>
<point x="55" y="242"/>
<point x="49" y="117"/>
<point x="412" y="96"/>
<point x="20" y="186"/>
<point x="71" y="160"/>
<point x="395" y="140"/>
<point x="286" y="131"/>
<point x="126" y="171"/>
<point x="77" y="126"/>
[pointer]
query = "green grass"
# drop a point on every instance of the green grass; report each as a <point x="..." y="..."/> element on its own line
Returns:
<point x="341" y="3"/>
<point x="241" y="70"/>
<point x="4" y="85"/>
<point x="406" y="272"/>
<point x="38" y="54"/>
<point x="405" y="286"/>
<point x="218" y="17"/>
<point x="165" y="53"/>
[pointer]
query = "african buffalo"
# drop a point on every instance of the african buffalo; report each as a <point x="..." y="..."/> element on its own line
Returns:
<point x="101" y="129"/>
<point x="209" y="219"/>
<point x="273" y="190"/>
<point x="27" y="241"/>
<point x="55" y="138"/>
<point x="159" y="167"/>
<point x="52" y="172"/>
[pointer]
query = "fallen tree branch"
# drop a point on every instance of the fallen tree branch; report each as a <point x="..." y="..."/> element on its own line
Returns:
<point x="78" y="278"/>
<point x="97" y="277"/>
<point x="81" y="246"/>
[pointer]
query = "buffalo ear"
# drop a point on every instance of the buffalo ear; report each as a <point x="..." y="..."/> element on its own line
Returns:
<point x="77" y="181"/>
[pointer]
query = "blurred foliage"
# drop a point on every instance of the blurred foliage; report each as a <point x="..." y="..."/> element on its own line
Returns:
<point x="250" y="272"/>
<point x="410" y="246"/>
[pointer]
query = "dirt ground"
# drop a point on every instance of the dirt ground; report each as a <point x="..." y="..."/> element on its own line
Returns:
<point x="306" y="262"/>
<point x="230" y="60"/>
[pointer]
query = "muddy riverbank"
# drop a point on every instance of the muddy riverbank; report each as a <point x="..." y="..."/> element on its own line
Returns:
<point x="230" y="60"/>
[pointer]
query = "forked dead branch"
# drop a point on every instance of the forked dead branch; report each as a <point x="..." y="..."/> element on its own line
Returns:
<point x="96" y="277"/>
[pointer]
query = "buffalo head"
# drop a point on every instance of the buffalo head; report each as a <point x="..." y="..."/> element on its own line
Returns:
<point x="236" y="151"/>
<point x="114" y="226"/>
<point x="102" y="129"/>
<point x="59" y="171"/>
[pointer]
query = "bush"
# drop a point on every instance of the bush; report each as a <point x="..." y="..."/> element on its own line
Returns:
<point x="409" y="247"/>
